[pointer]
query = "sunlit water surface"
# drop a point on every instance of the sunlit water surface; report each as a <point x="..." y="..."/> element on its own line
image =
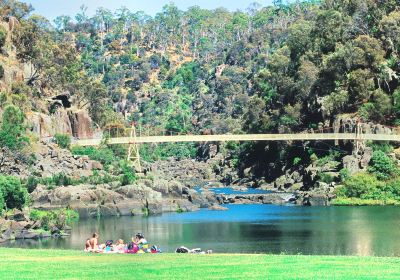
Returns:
<point x="252" y="229"/>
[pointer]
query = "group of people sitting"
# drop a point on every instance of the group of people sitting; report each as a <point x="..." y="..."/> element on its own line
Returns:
<point x="138" y="245"/>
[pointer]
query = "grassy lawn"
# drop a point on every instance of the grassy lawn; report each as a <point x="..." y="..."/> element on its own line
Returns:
<point x="58" y="264"/>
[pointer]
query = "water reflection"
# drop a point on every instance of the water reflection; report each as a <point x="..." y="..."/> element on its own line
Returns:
<point x="253" y="229"/>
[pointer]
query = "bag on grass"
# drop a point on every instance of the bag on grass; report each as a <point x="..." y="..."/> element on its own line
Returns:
<point x="132" y="248"/>
<point x="182" y="250"/>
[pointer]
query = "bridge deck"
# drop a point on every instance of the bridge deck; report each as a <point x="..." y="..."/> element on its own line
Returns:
<point x="240" y="137"/>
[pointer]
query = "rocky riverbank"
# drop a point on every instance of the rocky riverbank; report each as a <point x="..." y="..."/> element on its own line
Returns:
<point x="17" y="225"/>
<point x="145" y="197"/>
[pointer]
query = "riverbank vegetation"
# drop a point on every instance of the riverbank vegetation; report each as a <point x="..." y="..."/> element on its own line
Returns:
<point x="12" y="194"/>
<point x="380" y="185"/>
<point x="34" y="264"/>
<point x="60" y="219"/>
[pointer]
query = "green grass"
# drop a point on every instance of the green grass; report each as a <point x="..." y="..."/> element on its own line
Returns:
<point x="59" y="264"/>
<point x="352" y="201"/>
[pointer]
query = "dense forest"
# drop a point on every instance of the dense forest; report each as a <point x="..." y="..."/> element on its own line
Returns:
<point x="278" y="69"/>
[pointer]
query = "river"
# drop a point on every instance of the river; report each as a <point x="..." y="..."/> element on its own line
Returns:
<point x="273" y="229"/>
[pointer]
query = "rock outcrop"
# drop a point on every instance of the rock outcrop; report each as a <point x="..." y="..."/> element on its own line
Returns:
<point x="91" y="201"/>
<point x="270" y="198"/>
<point x="348" y="124"/>
<point x="48" y="160"/>
<point x="142" y="198"/>
<point x="18" y="226"/>
<point x="188" y="171"/>
<point x="76" y="123"/>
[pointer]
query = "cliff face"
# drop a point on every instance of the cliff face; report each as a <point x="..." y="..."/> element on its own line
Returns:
<point x="348" y="124"/>
<point x="14" y="70"/>
<point x="76" y="123"/>
<point x="65" y="119"/>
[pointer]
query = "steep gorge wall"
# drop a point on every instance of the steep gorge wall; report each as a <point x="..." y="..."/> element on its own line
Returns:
<point x="15" y="71"/>
<point x="76" y="123"/>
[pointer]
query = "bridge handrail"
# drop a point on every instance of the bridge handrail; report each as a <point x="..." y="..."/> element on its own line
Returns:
<point x="240" y="137"/>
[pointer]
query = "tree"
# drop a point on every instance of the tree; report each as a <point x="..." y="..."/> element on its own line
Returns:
<point x="382" y="166"/>
<point x="362" y="185"/>
<point x="12" y="193"/>
<point x="14" y="8"/>
<point x="12" y="128"/>
<point x="3" y="36"/>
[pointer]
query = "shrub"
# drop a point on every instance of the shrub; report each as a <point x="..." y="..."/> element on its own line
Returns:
<point x="97" y="179"/>
<point x="344" y="174"/>
<point x="381" y="146"/>
<point x="31" y="183"/>
<point x="392" y="189"/>
<point x="59" y="180"/>
<point x="2" y="202"/>
<point x="313" y="158"/>
<point x="340" y="191"/>
<point x="13" y="194"/>
<point x="62" y="140"/>
<point x="362" y="185"/>
<point x="103" y="154"/>
<point x="329" y="159"/>
<point x="55" y="218"/>
<point x="326" y="177"/>
<point x="366" y="111"/>
<point x="164" y="151"/>
<point x="12" y="134"/>
<point x="128" y="174"/>
<point x="296" y="160"/>
<point x="382" y="166"/>
<point x="1" y="71"/>
<point x="3" y="36"/>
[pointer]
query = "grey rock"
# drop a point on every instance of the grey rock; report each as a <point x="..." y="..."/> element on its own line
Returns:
<point x="217" y="207"/>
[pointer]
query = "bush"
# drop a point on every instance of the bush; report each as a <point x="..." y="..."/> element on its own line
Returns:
<point x="12" y="132"/>
<point x="62" y="140"/>
<point x="329" y="159"/>
<point x="13" y="194"/>
<point x="3" y="36"/>
<point x="313" y="158"/>
<point x="59" y="180"/>
<point x="54" y="218"/>
<point x="296" y="161"/>
<point x="362" y="185"/>
<point x="344" y="174"/>
<point x="326" y="177"/>
<point x="152" y="153"/>
<point x="382" y="166"/>
<point x="97" y="179"/>
<point x="381" y="146"/>
<point x="366" y="111"/>
<point x="1" y="71"/>
<point x="392" y="189"/>
<point x="128" y="173"/>
<point x="363" y="202"/>
<point x="103" y="154"/>
<point x="31" y="183"/>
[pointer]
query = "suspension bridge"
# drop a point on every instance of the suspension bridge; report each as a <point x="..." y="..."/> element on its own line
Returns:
<point x="134" y="140"/>
<point x="239" y="137"/>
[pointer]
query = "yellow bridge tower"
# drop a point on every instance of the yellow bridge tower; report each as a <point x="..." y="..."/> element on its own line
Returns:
<point x="133" y="151"/>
